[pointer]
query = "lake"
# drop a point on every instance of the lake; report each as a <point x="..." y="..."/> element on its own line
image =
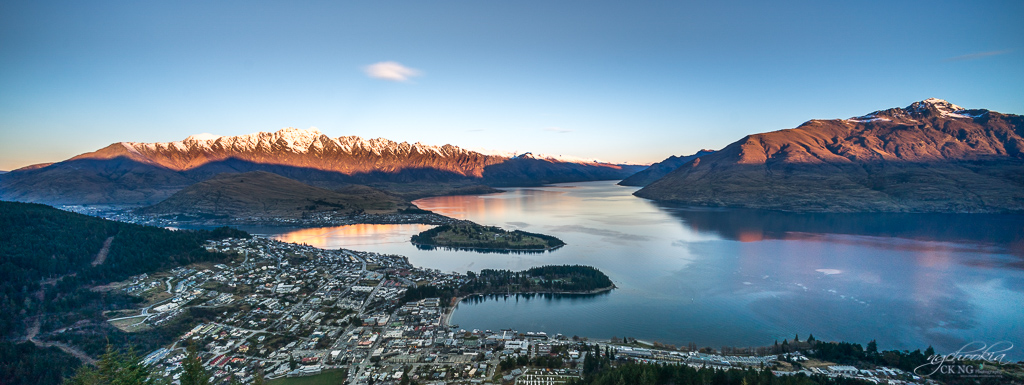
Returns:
<point x="726" y="277"/>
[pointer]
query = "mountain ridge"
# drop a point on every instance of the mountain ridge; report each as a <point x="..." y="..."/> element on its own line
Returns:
<point x="146" y="173"/>
<point x="264" y="194"/>
<point x="660" y="169"/>
<point x="931" y="156"/>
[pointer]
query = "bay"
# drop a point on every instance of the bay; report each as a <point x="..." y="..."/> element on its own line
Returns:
<point x="726" y="277"/>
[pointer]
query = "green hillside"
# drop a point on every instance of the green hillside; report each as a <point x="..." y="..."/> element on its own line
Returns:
<point x="261" y="194"/>
<point x="51" y="259"/>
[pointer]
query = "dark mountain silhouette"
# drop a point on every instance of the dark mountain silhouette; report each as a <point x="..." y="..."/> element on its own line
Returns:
<point x="660" y="169"/>
<point x="527" y="170"/>
<point x="263" y="194"/>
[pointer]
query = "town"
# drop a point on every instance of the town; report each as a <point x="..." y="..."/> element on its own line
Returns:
<point x="284" y="310"/>
<point x="128" y="214"/>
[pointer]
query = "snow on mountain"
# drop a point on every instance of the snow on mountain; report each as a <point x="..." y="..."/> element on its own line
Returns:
<point x="204" y="136"/>
<point x="918" y="109"/>
<point x="131" y="172"/>
<point x="306" y="141"/>
<point x="926" y="157"/>
<point x="293" y="140"/>
<point x="531" y="155"/>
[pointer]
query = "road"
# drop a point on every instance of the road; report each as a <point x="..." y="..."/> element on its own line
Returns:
<point x="31" y="337"/>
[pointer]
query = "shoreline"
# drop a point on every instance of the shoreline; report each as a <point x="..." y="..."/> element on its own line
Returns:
<point x="366" y="219"/>
<point x="490" y="249"/>
<point x="446" y="318"/>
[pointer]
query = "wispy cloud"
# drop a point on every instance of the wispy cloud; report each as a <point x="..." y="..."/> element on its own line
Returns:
<point x="389" y="70"/>
<point x="977" y="55"/>
<point x="558" y="130"/>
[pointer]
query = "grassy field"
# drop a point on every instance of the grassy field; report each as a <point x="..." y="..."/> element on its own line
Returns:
<point x="328" y="377"/>
<point x="130" y="325"/>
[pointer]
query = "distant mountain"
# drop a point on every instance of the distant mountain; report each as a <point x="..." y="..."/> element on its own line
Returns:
<point x="529" y="170"/>
<point x="263" y="194"/>
<point x="146" y="173"/>
<point x="660" y="169"/>
<point x="932" y="156"/>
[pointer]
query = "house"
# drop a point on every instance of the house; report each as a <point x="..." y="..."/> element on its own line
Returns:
<point x="842" y="369"/>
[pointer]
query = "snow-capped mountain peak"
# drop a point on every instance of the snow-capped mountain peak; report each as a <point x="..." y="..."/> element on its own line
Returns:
<point x="916" y="110"/>
<point x="298" y="140"/>
<point x="202" y="137"/>
<point x="942" y="106"/>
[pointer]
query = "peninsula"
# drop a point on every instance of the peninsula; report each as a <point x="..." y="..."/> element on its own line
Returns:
<point x="550" y="279"/>
<point x="471" y="236"/>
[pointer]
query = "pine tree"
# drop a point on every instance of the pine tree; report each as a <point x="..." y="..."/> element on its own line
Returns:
<point x="194" y="374"/>
<point x="259" y="379"/>
<point x="114" y="368"/>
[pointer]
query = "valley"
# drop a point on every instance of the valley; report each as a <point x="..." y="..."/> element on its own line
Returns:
<point x="511" y="193"/>
<point x="428" y="273"/>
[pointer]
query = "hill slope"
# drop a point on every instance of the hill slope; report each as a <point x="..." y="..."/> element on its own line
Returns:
<point x="660" y="169"/>
<point x="263" y="194"/>
<point x="49" y="262"/>
<point x="146" y="173"/>
<point x="40" y="243"/>
<point x="931" y="156"/>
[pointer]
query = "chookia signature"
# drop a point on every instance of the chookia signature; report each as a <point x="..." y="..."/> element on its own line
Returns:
<point x="954" y="363"/>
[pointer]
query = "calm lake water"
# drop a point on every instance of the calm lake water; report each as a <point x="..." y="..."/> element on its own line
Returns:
<point x="734" y="277"/>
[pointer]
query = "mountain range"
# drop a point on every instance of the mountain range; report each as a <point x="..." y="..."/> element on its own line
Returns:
<point x="146" y="173"/>
<point x="660" y="169"/>
<point x="931" y="156"/>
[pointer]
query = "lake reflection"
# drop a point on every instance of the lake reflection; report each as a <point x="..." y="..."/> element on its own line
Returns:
<point x="735" y="277"/>
<point x="353" y="236"/>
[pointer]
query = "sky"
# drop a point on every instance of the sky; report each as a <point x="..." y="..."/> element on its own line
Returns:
<point x="615" y="81"/>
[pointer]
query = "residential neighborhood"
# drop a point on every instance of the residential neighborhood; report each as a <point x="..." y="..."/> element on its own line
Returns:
<point x="288" y="310"/>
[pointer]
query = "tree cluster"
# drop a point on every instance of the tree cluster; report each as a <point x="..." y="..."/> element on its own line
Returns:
<point x="471" y="235"/>
<point x="25" y="363"/>
<point x="49" y="260"/>
<point x="552" y="278"/>
<point x="855" y="354"/>
<point x="537" y="362"/>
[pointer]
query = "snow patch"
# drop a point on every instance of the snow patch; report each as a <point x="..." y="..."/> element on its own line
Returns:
<point x="301" y="141"/>
<point x="203" y="137"/>
<point x="944" y="108"/>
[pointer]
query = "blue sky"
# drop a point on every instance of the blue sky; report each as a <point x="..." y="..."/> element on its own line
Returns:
<point x="616" y="81"/>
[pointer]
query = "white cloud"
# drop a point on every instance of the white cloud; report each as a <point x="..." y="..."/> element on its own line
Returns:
<point x="389" y="70"/>
<point x="558" y="130"/>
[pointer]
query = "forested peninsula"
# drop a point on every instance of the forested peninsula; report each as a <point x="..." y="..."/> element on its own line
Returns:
<point x="555" y="279"/>
<point x="471" y="236"/>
